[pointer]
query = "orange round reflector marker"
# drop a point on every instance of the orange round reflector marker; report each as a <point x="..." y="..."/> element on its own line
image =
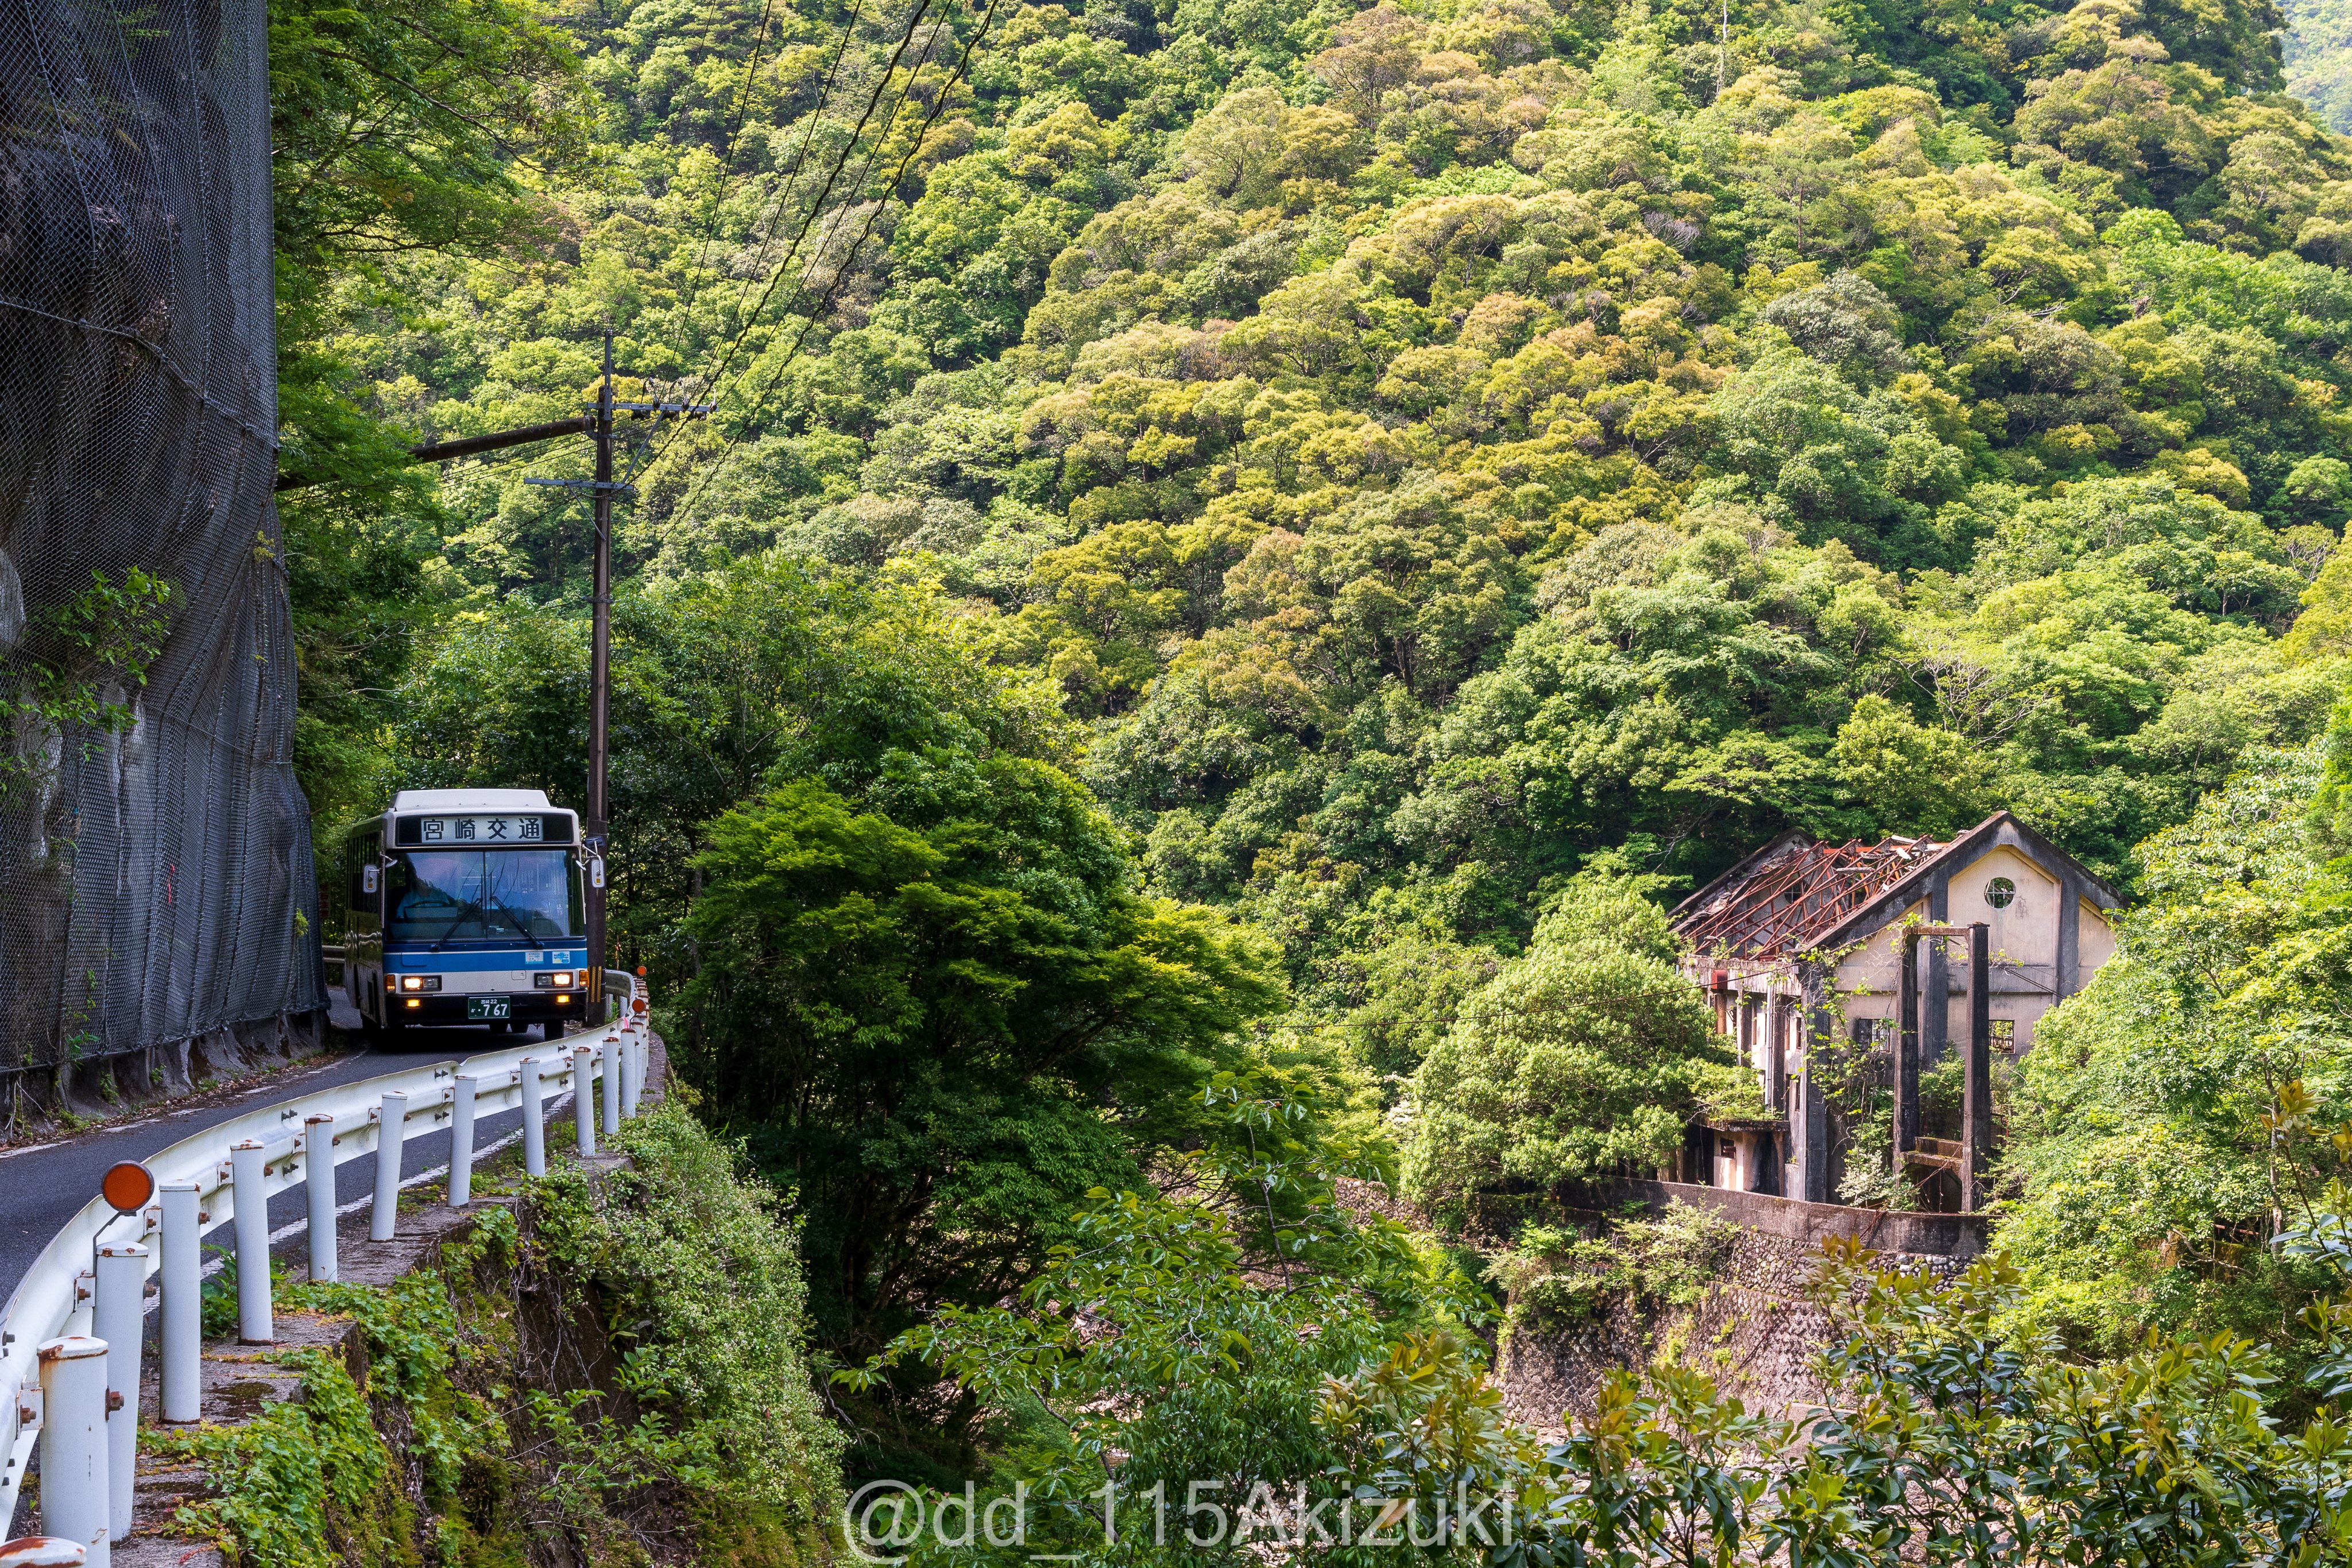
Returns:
<point x="639" y="1004"/>
<point x="127" y="1187"/>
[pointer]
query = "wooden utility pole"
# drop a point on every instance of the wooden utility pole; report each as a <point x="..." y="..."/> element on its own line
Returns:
<point x="600" y="680"/>
<point x="598" y="427"/>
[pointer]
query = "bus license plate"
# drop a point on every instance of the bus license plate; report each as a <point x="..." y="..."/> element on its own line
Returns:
<point x="486" y="1007"/>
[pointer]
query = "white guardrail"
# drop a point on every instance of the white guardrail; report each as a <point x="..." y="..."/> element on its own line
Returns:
<point x="60" y="1296"/>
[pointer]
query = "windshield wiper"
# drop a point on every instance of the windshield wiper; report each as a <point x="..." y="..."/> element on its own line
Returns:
<point x="473" y="907"/>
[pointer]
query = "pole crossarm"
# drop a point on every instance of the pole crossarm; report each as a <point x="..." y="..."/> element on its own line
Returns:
<point x="523" y="436"/>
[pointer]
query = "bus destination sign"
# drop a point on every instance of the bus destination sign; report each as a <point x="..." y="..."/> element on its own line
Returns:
<point x="520" y="830"/>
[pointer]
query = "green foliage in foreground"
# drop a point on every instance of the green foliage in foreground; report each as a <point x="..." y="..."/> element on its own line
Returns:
<point x="1171" y="1391"/>
<point x="697" y="1282"/>
<point x="467" y="1416"/>
<point x="2194" y="1099"/>
<point x="954" y="1015"/>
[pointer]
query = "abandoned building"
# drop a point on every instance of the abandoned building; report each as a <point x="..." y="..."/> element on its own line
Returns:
<point x="1799" y="948"/>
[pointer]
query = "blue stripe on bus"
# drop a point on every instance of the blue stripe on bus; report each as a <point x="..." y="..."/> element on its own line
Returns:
<point x="456" y="963"/>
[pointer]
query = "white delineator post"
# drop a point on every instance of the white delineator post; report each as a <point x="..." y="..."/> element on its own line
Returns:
<point x="120" y="1319"/>
<point x="612" y="1057"/>
<point x="182" y="1282"/>
<point x="628" y="1074"/>
<point x="253" y="1316"/>
<point x="461" y="1141"/>
<point x="389" y="1135"/>
<point x="534" y="1118"/>
<point x="583" y="1097"/>
<point x="75" y="1497"/>
<point x="319" y="1188"/>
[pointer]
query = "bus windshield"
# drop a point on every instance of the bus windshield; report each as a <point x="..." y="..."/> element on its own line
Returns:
<point x="438" y="895"/>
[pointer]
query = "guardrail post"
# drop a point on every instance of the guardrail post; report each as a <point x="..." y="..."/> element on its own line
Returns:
<point x="319" y="1184"/>
<point x="181" y="1278"/>
<point x="120" y="1321"/>
<point x="583" y="1097"/>
<point x="43" y="1552"/>
<point x="75" y="1497"/>
<point x="633" y="1071"/>
<point x="461" y="1141"/>
<point x="610" y="1053"/>
<point x="534" y="1119"/>
<point x="253" y="1317"/>
<point x="390" y="1134"/>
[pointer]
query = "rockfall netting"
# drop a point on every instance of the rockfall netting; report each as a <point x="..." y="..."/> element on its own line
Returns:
<point x="155" y="876"/>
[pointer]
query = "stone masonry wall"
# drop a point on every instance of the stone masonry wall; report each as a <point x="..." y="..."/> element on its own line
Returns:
<point x="1753" y="1332"/>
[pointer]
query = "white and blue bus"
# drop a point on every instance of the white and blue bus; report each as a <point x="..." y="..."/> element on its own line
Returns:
<point x="465" y="907"/>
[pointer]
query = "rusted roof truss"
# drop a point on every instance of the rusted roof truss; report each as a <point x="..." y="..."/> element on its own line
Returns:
<point x="1783" y="906"/>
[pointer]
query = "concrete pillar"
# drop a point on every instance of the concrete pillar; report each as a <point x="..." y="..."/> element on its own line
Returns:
<point x="583" y="1097"/>
<point x="1812" y="1105"/>
<point x="1975" y="1107"/>
<point x="1936" y="979"/>
<point x="461" y="1142"/>
<point x="2069" y="979"/>
<point x="534" y="1118"/>
<point x="120" y="1319"/>
<point x="610" y="1055"/>
<point x="1777" y="1015"/>
<point x="391" y="1134"/>
<point x="1906" y="1074"/>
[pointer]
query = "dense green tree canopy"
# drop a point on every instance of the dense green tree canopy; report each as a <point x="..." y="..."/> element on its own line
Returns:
<point x="1231" y="535"/>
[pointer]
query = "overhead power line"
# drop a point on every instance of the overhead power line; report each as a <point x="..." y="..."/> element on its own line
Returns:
<point x="897" y="177"/>
<point x="817" y="204"/>
<point x="800" y="154"/>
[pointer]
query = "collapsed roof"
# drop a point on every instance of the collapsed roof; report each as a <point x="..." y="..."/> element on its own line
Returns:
<point x="1796" y="896"/>
<point x="1785" y="898"/>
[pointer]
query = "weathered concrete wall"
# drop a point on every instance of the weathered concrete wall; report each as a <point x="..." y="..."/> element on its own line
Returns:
<point x="1953" y="1236"/>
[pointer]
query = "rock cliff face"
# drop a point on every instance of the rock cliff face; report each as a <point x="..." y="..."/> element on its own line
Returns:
<point x="1753" y="1332"/>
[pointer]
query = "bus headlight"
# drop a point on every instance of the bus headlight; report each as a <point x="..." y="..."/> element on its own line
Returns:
<point x="550" y="980"/>
<point x="420" y="982"/>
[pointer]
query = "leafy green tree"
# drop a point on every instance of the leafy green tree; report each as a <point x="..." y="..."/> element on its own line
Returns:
<point x="1158" y="1358"/>
<point x="2202" y="1049"/>
<point x="951" y="1014"/>
<point x="1574" y="1061"/>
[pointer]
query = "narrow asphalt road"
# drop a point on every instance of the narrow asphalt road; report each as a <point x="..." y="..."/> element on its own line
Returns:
<point x="43" y="1185"/>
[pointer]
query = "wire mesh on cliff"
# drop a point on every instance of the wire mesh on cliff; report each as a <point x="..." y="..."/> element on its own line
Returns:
<point x="155" y="876"/>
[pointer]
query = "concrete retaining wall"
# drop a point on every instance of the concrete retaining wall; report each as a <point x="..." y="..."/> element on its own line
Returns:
<point x="1953" y="1236"/>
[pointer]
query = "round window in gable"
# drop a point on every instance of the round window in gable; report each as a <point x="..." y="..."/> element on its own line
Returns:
<point x="2001" y="892"/>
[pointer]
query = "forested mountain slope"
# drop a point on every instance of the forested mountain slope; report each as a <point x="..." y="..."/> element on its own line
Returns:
<point x="2317" y="51"/>
<point x="1430" y="449"/>
<point x="1386" y="474"/>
